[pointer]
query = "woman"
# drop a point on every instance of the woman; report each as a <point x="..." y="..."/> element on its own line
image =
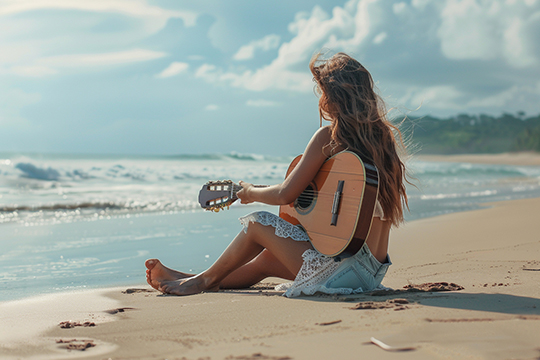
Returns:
<point x="270" y="246"/>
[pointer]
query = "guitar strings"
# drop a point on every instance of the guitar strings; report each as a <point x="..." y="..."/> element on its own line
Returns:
<point x="312" y="194"/>
<point x="309" y="195"/>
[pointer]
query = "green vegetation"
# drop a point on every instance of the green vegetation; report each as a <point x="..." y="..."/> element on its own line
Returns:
<point x="474" y="133"/>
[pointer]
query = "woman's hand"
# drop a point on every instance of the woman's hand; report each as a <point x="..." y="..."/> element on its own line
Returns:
<point x="244" y="194"/>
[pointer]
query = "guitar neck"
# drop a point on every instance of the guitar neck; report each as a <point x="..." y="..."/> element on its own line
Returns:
<point x="216" y="195"/>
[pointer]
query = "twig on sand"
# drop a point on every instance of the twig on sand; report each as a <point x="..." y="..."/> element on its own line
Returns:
<point x="118" y="310"/>
<point x="383" y="346"/>
<point x="329" y="323"/>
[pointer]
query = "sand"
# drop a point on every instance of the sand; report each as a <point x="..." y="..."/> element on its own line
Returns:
<point x="493" y="253"/>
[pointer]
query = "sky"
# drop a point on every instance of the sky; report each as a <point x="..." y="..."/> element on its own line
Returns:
<point x="213" y="76"/>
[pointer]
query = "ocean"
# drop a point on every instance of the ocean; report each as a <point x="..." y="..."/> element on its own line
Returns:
<point x="71" y="222"/>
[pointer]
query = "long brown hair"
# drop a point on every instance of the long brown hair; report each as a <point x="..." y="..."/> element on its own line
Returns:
<point x="359" y="123"/>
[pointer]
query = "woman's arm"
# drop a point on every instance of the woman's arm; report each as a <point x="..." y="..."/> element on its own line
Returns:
<point x="297" y="181"/>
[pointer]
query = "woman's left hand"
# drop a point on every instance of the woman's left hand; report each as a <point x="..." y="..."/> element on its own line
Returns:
<point x="244" y="194"/>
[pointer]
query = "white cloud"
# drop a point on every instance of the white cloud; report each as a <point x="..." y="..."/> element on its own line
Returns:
<point x="134" y="8"/>
<point x="15" y="52"/>
<point x="421" y="4"/>
<point x="380" y="38"/>
<point x="272" y="76"/>
<point x="103" y="59"/>
<point x="518" y="97"/>
<point x="261" y="103"/>
<point x="50" y="65"/>
<point x="346" y="29"/>
<point x="208" y="72"/>
<point x="173" y="69"/>
<point x="246" y="52"/>
<point x="451" y="99"/>
<point x="38" y="43"/>
<point x="32" y="71"/>
<point x="442" y="97"/>
<point x="365" y="16"/>
<point x="211" y="107"/>
<point x="521" y="45"/>
<point x="398" y="8"/>
<point x="486" y="30"/>
<point x="267" y="43"/>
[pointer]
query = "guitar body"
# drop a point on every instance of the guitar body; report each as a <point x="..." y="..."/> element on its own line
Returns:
<point x="337" y="224"/>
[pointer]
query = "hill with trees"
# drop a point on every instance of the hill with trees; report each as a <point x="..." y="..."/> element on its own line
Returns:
<point x="465" y="134"/>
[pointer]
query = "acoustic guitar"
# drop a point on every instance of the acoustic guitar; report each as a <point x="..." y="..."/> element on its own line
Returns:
<point x="335" y="210"/>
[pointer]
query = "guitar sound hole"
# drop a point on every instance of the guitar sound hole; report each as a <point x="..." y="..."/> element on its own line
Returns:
<point x="305" y="200"/>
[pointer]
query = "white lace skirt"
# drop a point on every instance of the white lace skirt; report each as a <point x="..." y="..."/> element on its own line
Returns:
<point x="320" y="273"/>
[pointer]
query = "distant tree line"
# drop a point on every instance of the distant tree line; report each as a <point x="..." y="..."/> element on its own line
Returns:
<point x="474" y="133"/>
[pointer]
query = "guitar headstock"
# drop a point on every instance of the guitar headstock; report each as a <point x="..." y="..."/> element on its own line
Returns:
<point x="216" y="195"/>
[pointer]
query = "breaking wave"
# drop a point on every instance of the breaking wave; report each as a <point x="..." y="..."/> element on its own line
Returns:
<point x="31" y="171"/>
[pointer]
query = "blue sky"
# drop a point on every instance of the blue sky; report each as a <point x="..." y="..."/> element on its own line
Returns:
<point x="171" y="77"/>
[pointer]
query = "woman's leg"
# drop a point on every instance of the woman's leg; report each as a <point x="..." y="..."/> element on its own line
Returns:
<point x="243" y="249"/>
<point x="263" y="266"/>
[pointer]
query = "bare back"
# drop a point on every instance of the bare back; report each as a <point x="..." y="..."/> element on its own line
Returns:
<point x="378" y="237"/>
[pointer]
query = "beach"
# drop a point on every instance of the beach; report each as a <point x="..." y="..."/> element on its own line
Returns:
<point x="487" y="257"/>
<point x="403" y="134"/>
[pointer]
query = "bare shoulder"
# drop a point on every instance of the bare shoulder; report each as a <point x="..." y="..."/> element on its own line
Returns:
<point x="314" y="152"/>
<point x="322" y="136"/>
<point x="324" y="133"/>
<point x="323" y="139"/>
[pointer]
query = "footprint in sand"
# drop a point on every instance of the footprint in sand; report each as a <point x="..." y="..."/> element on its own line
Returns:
<point x="75" y="344"/>
<point x="396" y="304"/>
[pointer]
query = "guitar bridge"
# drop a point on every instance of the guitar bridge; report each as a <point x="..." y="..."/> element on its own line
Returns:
<point x="337" y="202"/>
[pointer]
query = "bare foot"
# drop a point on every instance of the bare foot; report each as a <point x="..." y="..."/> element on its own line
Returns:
<point x="188" y="286"/>
<point x="157" y="273"/>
